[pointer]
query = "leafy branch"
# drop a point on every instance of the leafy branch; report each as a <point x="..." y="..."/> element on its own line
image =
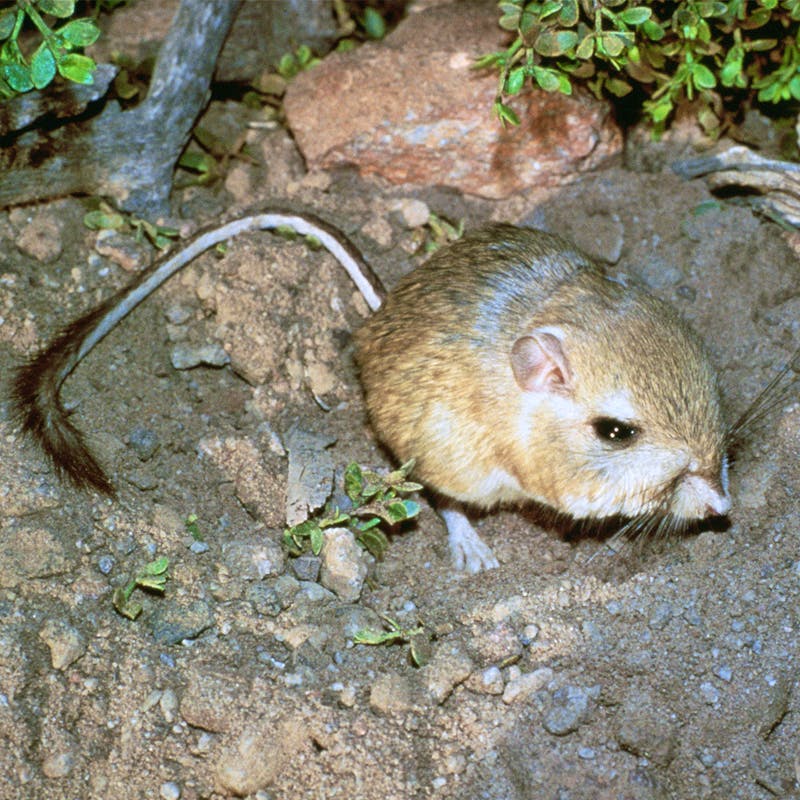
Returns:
<point x="152" y="576"/>
<point x="713" y="51"/>
<point x="376" y="499"/>
<point x="55" y="53"/>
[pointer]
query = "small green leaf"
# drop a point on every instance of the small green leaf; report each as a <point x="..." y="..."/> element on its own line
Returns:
<point x="635" y="16"/>
<point x="80" y="32"/>
<point x="7" y="20"/>
<point x="515" y="80"/>
<point x="17" y="76"/>
<point x="421" y="649"/>
<point x="610" y="44"/>
<point x="317" y="540"/>
<point x="77" y="68"/>
<point x="568" y="16"/>
<point x="585" y="48"/>
<point x="703" y="76"/>
<point x="555" y="43"/>
<point x="353" y="481"/>
<point x="374" y="24"/>
<point x="43" y="66"/>
<point x="157" y="567"/>
<point x="546" y="78"/>
<point x="58" y="8"/>
<point x="653" y="30"/>
<point x="618" y="87"/>
<point x="505" y="113"/>
<point x="103" y="220"/>
<point x="124" y="605"/>
<point x="202" y="163"/>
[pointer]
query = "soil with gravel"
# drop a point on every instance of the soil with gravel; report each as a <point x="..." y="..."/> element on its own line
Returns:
<point x="572" y="671"/>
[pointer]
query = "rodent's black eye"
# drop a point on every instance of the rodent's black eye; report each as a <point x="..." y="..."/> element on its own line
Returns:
<point x="614" y="431"/>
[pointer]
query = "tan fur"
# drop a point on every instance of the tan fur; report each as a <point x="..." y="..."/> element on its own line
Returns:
<point x="436" y="368"/>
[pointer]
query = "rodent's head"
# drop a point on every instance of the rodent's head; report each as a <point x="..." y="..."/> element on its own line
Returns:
<point x="623" y="398"/>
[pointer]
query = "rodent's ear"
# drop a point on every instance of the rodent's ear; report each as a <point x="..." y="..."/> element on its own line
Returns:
<point x="540" y="364"/>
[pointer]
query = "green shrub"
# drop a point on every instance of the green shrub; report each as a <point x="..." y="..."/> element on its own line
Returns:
<point x="722" y="53"/>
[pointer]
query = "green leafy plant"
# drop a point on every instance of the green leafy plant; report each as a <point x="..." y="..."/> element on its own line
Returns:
<point x="715" y="52"/>
<point x="104" y="217"/>
<point x="57" y="51"/>
<point x="376" y="499"/>
<point x="193" y="528"/>
<point x="292" y="63"/>
<point x="436" y="233"/>
<point x="419" y="642"/>
<point x="152" y="577"/>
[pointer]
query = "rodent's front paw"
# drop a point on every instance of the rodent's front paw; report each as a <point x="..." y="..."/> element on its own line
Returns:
<point x="470" y="553"/>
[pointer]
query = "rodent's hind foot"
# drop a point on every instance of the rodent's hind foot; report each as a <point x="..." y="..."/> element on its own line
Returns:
<point x="470" y="553"/>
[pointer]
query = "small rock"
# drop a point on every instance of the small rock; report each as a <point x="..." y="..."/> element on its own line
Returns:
<point x="306" y="567"/>
<point x="144" y="443"/>
<point x="709" y="693"/>
<point x="499" y="645"/>
<point x="447" y="669"/>
<point x="344" y="564"/>
<point x="489" y="681"/>
<point x="208" y="698"/>
<point x="646" y="730"/>
<point x="58" y="765"/>
<point x="415" y="213"/>
<point x="258" y="755"/>
<point x="253" y="559"/>
<point x="171" y="623"/>
<point x="41" y="238"/>
<point x="724" y="672"/>
<point x="390" y="694"/>
<point x="570" y="708"/>
<point x="178" y="314"/>
<point x="661" y="616"/>
<point x="188" y="356"/>
<point x="65" y="642"/>
<point x="169" y="791"/>
<point x="123" y="250"/>
<point x="523" y="686"/>
<point x="264" y="599"/>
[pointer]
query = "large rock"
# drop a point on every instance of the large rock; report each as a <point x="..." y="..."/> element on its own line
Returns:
<point x="412" y="110"/>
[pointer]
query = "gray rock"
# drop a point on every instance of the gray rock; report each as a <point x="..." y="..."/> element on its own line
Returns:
<point x="188" y="356"/>
<point x="253" y="558"/>
<point x="65" y="642"/>
<point x="646" y="729"/>
<point x="570" y="708"/>
<point x="171" y="623"/>
<point x="344" y="564"/>
<point x="306" y="567"/>
<point x="144" y="442"/>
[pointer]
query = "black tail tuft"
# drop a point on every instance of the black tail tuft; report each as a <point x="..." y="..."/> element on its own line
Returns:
<point x="35" y="396"/>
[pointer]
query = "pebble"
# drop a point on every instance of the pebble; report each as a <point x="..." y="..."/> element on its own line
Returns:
<point x="264" y="599"/>
<point x="306" y="567"/>
<point x="58" y="765"/>
<point x="344" y="564"/>
<point x="178" y="314"/>
<point x="65" y="642"/>
<point x="529" y="634"/>
<point x="253" y="559"/>
<point x="709" y="693"/>
<point x="144" y="442"/>
<point x="524" y="685"/>
<point x="661" y="616"/>
<point x="105" y="564"/>
<point x="724" y="673"/>
<point x="414" y="213"/>
<point x="187" y="356"/>
<point x="645" y="729"/>
<point x="172" y="623"/>
<point x="447" y="669"/>
<point x="570" y="708"/>
<point x="170" y="791"/>
<point x="390" y="694"/>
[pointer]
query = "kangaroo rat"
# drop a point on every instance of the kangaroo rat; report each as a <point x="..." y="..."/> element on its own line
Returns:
<point x="508" y="365"/>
